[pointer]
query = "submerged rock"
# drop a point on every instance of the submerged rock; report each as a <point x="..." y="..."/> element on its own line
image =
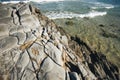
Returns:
<point x="32" y="48"/>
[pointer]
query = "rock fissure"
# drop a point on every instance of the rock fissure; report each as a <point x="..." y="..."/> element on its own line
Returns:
<point x="35" y="71"/>
<point x="12" y="15"/>
<point x="19" y="17"/>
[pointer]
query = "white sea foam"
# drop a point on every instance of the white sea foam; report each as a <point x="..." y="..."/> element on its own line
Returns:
<point x="58" y="15"/>
<point x="39" y="1"/>
<point x="98" y="5"/>
<point x="109" y="7"/>
<point x="94" y="7"/>
<point x="46" y="0"/>
<point x="6" y="2"/>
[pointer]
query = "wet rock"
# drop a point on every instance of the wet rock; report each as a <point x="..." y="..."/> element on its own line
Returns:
<point x="67" y="76"/>
<point x="74" y="76"/>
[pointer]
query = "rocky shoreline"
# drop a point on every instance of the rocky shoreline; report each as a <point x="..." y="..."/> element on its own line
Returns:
<point x="33" y="47"/>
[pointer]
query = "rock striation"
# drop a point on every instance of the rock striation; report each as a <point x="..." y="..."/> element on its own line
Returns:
<point x="33" y="47"/>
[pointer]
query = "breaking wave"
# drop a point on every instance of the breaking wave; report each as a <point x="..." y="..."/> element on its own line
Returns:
<point x="25" y="1"/>
<point x="6" y="2"/>
<point x="107" y="7"/>
<point x="58" y="15"/>
<point x="46" y="0"/>
<point x="98" y="5"/>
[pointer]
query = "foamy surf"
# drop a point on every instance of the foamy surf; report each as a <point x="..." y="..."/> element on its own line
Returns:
<point x="107" y="7"/>
<point x="6" y="2"/>
<point x="46" y="0"/>
<point x="98" y="5"/>
<point x="26" y="1"/>
<point x="59" y="15"/>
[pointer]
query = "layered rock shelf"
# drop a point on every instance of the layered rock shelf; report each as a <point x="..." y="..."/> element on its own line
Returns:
<point x="33" y="47"/>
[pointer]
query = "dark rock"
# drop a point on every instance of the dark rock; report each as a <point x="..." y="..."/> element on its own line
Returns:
<point x="101" y="25"/>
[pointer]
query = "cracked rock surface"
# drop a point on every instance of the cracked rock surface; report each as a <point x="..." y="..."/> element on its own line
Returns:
<point x="33" y="47"/>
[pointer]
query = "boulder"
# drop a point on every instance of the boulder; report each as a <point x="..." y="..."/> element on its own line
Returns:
<point x="74" y="76"/>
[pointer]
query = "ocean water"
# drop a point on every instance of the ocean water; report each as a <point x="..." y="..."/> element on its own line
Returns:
<point x="75" y="9"/>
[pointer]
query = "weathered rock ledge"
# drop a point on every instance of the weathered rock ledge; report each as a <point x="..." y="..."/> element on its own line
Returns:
<point x="33" y="47"/>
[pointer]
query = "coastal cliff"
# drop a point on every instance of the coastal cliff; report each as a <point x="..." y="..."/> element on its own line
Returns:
<point x="33" y="47"/>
